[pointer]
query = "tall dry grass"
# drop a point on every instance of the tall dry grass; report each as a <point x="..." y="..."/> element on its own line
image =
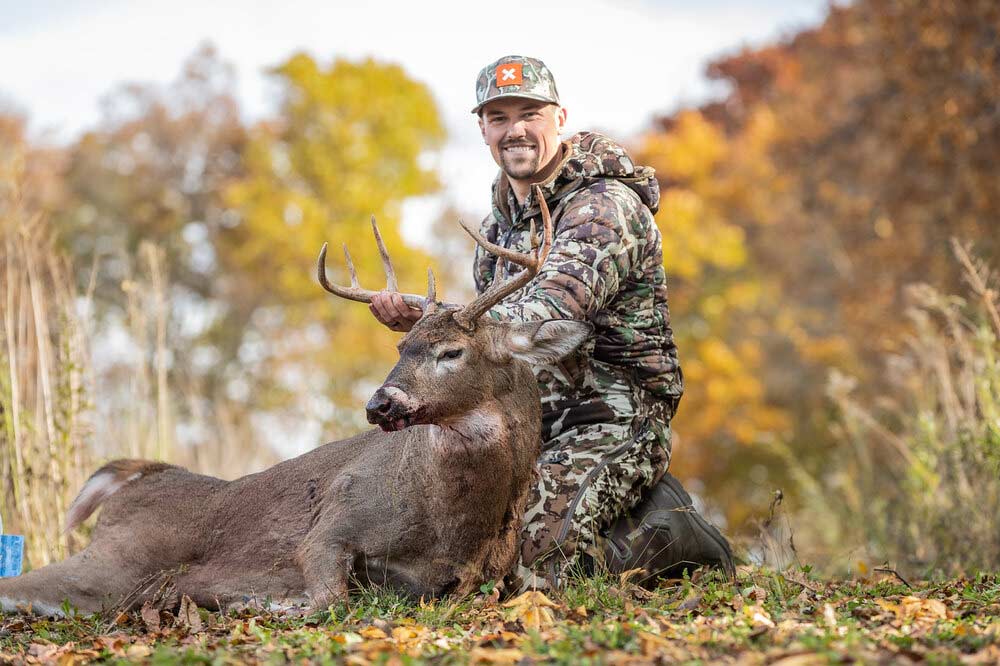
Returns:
<point x="43" y="362"/>
<point x="915" y="480"/>
<point x="63" y="413"/>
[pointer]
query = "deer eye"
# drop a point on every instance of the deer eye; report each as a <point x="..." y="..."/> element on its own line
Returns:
<point x="450" y="354"/>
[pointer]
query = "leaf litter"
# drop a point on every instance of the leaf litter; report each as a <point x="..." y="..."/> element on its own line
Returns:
<point x="763" y="618"/>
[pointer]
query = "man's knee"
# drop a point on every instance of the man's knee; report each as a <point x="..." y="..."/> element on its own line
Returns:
<point x="583" y="485"/>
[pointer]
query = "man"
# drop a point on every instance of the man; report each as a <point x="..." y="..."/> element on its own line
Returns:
<point x="607" y="409"/>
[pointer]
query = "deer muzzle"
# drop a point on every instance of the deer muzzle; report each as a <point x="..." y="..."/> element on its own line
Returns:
<point x="391" y="408"/>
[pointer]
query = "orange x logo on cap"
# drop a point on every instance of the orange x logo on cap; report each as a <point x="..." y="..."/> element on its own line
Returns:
<point x="509" y="74"/>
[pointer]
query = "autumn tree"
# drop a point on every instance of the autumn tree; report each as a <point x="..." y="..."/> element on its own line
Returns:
<point x="239" y="214"/>
<point x="829" y="178"/>
<point x="348" y="144"/>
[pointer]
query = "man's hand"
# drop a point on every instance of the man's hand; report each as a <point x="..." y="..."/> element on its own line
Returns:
<point x="389" y="308"/>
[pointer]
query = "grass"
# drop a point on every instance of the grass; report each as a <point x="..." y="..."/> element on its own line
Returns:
<point x="61" y="415"/>
<point x="764" y="617"/>
<point x="913" y="479"/>
<point x="43" y="362"/>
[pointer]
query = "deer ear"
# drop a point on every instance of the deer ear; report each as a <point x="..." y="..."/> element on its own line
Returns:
<point x="539" y="342"/>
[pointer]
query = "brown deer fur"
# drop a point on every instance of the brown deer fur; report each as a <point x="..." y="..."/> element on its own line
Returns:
<point x="431" y="504"/>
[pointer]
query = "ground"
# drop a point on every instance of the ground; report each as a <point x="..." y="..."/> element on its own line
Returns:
<point x="790" y="619"/>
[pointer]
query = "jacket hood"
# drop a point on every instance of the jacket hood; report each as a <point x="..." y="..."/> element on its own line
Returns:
<point x="584" y="157"/>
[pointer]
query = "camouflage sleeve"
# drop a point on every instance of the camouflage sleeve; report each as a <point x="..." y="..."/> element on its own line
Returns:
<point x="592" y="253"/>
<point x="484" y="264"/>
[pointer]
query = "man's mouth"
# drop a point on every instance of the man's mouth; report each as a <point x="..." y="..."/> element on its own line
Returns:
<point x="518" y="149"/>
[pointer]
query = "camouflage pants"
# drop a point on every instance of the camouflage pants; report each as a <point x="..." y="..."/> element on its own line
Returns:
<point x="587" y="477"/>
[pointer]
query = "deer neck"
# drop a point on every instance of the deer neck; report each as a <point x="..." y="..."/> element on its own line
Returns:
<point x="478" y="432"/>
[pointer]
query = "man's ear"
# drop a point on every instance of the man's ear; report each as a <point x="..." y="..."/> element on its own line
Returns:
<point x="540" y="342"/>
<point x="561" y="119"/>
<point x="482" y="127"/>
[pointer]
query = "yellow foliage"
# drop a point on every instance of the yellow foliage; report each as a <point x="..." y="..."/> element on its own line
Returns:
<point x="690" y="152"/>
<point x="348" y="145"/>
<point x="694" y="238"/>
<point x="716" y="298"/>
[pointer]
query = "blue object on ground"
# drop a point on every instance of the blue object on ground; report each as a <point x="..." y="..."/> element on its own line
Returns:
<point x="11" y="554"/>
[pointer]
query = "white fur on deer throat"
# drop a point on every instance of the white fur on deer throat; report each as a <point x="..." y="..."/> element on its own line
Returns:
<point x="480" y="426"/>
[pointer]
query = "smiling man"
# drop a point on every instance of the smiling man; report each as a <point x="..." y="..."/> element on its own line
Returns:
<point x="603" y="496"/>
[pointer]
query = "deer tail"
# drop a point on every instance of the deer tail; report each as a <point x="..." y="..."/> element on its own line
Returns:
<point x="104" y="483"/>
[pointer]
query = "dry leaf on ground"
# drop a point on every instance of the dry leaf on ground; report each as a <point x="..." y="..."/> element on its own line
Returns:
<point x="532" y="609"/>
<point x="150" y="617"/>
<point x="188" y="617"/>
<point x="922" y="611"/>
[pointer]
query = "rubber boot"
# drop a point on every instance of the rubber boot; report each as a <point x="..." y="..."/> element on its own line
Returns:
<point x="664" y="535"/>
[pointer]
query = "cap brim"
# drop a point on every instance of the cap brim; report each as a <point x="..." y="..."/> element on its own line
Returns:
<point x="537" y="98"/>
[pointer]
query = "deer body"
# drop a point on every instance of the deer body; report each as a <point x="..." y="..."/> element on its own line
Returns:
<point x="430" y="504"/>
<point x="430" y="509"/>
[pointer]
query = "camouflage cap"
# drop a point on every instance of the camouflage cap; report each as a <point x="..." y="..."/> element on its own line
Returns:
<point x="515" y="76"/>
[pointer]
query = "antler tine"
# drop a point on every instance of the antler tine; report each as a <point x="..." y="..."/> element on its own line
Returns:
<point x="353" y="292"/>
<point x="546" y="222"/>
<point x="431" y="287"/>
<point x="468" y="315"/>
<point x="390" y="274"/>
<point x="513" y="256"/>
<point x="350" y="267"/>
<point x="356" y="293"/>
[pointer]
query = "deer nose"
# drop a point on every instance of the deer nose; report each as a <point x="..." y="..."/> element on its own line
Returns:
<point x="379" y="405"/>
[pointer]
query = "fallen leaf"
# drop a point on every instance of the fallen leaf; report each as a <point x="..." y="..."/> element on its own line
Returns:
<point x="188" y="617"/>
<point x="829" y="615"/>
<point x="758" y="616"/>
<point x="495" y="655"/>
<point x="372" y="633"/>
<point x="115" y="644"/>
<point x="42" y="650"/>
<point x="804" y="659"/>
<point x="915" y="609"/>
<point x="347" y="638"/>
<point x="138" y="650"/>
<point x="652" y="644"/>
<point x="532" y="610"/>
<point x="150" y="617"/>
<point x="408" y="633"/>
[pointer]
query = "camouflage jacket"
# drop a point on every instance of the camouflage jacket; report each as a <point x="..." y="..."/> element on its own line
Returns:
<point x="605" y="267"/>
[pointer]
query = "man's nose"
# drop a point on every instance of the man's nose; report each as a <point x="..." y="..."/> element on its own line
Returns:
<point x="516" y="130"/>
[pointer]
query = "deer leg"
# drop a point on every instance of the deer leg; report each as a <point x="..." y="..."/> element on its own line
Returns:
<point x="89" y="581"/>
<point x="326" y="567"/>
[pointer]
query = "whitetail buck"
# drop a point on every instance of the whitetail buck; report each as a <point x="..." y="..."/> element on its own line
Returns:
<point x="430" y="504"/>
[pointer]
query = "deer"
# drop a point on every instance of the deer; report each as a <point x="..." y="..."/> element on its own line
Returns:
<point x="429" y="503"/>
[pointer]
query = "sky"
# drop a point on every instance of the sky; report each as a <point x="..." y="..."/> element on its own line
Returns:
<point x="617" y="64"/>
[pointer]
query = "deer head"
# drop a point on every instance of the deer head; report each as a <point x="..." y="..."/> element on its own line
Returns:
<point x="453" y="361"/>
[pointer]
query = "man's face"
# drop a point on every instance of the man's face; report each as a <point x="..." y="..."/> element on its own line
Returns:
<point x="523" y="135"/>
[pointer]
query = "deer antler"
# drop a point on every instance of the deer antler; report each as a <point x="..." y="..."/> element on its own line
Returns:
<point x="468" y="315"/>
<point x="356" y="293"/>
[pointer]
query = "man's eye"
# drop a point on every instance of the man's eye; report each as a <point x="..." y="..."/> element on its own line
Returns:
<point x="450" y="354"/>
